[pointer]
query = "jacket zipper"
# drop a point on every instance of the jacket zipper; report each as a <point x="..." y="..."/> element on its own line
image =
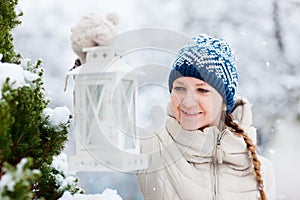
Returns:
<point x="214" y="179"/>
<point x="218" y="147"/>
<point x="217" y="159"/>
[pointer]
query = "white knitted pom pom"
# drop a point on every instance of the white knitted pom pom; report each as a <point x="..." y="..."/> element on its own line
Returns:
<point x="93" y="30"/>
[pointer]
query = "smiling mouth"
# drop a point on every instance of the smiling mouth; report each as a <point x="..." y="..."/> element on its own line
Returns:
<point x="191" y="114"/>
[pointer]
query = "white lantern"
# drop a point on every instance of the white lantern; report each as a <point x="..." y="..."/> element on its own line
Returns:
<point x="105" y="97"/>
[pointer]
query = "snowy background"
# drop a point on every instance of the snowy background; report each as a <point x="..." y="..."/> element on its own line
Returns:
<point x="264" y="34"/>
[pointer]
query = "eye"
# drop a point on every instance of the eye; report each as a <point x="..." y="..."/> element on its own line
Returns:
<point x="179" y="89"/>
<point x="202" y="90"/>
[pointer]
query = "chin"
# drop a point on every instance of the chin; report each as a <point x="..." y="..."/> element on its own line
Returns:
<point x="193" y="127"/>
<point x="189" y="127"/>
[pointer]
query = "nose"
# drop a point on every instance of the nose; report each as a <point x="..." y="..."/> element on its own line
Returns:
<point x="190" y="99"/>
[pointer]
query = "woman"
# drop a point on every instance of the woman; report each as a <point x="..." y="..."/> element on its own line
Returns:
<point x="207" y="148"/>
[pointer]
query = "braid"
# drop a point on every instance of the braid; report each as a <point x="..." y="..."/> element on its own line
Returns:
<point x="251" y="147"/>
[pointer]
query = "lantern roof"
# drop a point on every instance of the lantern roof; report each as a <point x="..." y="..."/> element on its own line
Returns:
<point x="118" y="65"/>
<point x="102" y="59"/>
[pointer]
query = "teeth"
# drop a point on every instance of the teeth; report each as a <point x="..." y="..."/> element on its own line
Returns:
<point x="190" y="113"/>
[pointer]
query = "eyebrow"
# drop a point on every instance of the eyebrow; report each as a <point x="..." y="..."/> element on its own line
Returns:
<point x="178" y="82"/>
<point x="199" y="84"/>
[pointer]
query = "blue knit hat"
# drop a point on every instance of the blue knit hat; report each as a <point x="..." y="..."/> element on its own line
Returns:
<point x="211" y="60"/>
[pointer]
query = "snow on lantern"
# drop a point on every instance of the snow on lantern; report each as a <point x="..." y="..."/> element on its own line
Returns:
<point x="105" y="103"/>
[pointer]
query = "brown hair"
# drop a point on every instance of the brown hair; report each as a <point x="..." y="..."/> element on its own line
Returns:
<point x="251" y="147"/>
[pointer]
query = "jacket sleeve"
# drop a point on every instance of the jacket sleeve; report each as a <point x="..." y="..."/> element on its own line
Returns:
<point x="147" y="178"/>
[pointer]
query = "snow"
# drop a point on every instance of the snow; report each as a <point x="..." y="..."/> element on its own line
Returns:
<point x="63" y="182"/>
<point x="64" y="178"/>
<point x="17" y="75"/>
<point x="108" y="194"/>
<point x="11" y="178"/>
<point x="7" y="181"/>
<point x="58" y="115"/>
<point x="60" y="163"/>
<point x="21" y="166"/>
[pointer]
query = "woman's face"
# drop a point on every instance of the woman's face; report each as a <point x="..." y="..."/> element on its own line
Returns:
<point x="195" y="103"/>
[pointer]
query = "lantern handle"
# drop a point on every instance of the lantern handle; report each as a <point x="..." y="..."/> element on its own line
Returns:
<point x="66" y="82"/>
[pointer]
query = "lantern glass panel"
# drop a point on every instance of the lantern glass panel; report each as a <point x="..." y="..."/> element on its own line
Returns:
<point x="128" y="114"/>
<point x="95" y="113"/>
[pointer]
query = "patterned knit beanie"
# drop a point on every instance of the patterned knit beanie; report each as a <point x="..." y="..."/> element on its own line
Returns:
<point x="211" y="60"/>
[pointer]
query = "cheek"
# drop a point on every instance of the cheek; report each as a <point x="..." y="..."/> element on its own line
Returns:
<point x="206" y="103"/>
<point x="215" y="107"/>
<point x="210" y="105"/>
<point x="175" y="102"/>
<point x="217" y="103"/>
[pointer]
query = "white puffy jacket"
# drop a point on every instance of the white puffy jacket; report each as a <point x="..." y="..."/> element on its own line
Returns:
<point x="189" y="165"/>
